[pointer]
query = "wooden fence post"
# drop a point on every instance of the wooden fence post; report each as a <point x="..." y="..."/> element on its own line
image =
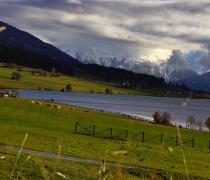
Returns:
<point x="193" y="143"/>
<point x="94" y="129"/>
<point x="126" y="134"/>
<point x="76" y="128"/>
<point x="142" y="137"/>
<point x="161" y="139"/>
<point x="176" y="140"/>
<point x="111" y="133"/>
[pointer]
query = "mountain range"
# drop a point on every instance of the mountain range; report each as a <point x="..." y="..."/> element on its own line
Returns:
<point x="171" y="72"/>
<point x="33" y="52"/>
<point x="24" y="49"/>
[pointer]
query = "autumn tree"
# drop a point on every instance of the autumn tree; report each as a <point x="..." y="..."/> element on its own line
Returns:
<point x="157" y="117"/>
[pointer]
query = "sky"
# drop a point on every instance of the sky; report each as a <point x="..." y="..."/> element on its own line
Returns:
<point x="148" y="29"/>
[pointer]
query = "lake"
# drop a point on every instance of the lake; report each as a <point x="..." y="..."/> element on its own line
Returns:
<point x="141" y="106"/>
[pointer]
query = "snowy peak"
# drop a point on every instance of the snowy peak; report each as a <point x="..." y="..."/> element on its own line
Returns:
<point x="128" y="63"/>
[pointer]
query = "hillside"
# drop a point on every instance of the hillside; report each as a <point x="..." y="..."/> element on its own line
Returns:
<point x="49" y="128"/>
<point x="15" y="38"/>
<point x="48" y="82"/>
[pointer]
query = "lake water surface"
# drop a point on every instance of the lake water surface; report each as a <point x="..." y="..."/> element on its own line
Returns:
<point x="141" y="106"/>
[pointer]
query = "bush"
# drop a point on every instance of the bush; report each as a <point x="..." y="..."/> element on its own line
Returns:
<point x="157" y="117"/>
<point x="16" y="76"/>
<point x="165" y="118"/>
<point x="108" y="91"/>
<point x="40" y="88"/>
<point x="68" y="87"/>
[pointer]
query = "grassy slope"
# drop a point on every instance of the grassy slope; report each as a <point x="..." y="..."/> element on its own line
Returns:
<point x="48" y="127"/>
<point x="29" y="81"/>
<point x="35" y="167"/>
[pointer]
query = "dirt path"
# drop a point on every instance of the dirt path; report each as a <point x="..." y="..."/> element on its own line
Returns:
<point x="72" y="158"/>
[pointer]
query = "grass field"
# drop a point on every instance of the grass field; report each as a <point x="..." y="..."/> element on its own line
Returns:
<point x="48" y="128"/>
<point x="35" y="167"/>
<point x="29" y="81"/>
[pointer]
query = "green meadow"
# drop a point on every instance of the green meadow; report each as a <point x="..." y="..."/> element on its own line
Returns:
<point x="79" y="84"/>
<point x="48" y="128"/>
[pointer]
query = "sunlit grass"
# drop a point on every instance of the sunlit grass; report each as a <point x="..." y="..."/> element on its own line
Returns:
<point x="79" y="84"/>
<point x="48" y="127"/>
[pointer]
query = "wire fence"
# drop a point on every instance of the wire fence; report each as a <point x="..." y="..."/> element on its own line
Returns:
<point x="107" y="133"/>
<point x="142" y="136"/>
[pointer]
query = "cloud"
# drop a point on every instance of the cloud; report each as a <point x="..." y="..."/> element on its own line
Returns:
<point x="205" y="59"/>
<point x="178" y="60"/>
<point x="149" y="29"/>
<point x="74" y="1"/>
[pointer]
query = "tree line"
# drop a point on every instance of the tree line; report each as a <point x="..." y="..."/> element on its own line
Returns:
<point x="191" y="122"/>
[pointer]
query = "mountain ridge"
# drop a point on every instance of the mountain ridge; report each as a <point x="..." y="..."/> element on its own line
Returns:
<point x="201" y="82"/>
<point x="15" y="38"/>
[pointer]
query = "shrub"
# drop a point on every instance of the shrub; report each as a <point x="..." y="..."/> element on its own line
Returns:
<point x="16" y="76"/>
<point x="165" y="118"/>
<point x="40" y="88"/>
<point x="68" y="87"/>
<point x="157" y="117"/>
<point x="108" y="91"/>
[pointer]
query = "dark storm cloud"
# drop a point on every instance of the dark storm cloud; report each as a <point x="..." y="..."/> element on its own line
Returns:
<point x="142" y="28"/>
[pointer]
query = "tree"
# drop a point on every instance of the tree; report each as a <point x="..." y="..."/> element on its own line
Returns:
<point x="108" y="91"/>
<point x="16" y="76"/>
<point x="191" y="121"/>
<point x="68" y="87"/>
<point x="208" y="123"/>
<point x="165" y="118"/>
<point x="157" y="117"/>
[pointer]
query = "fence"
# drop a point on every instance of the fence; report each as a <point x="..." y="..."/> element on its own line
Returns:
<point x="107" y="133"/>
<point x="123" y="135"/>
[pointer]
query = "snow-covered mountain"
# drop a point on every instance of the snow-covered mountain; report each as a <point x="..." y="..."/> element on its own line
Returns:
<point x="174" y="72"/>
<point x="129" y="63"/>
<point x="169" y="71"/>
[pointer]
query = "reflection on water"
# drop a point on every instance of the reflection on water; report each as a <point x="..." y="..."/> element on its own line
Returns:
<point x="141" y="106"/>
